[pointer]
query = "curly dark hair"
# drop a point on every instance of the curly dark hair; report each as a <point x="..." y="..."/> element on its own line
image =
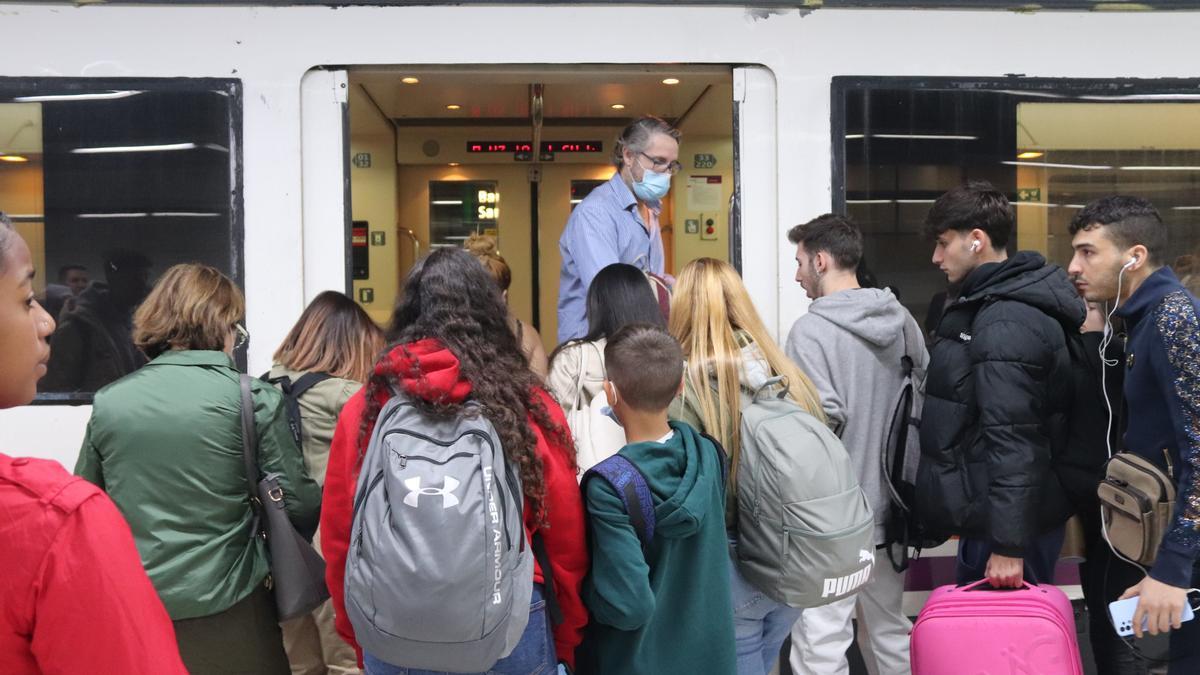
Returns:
<point x="453" y="299"/>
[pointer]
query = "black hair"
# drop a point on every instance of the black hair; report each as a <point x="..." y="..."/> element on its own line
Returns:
<point x="836" y="235"/>
<point x="974" y="205"/>
<point x="645" y="364"/>
<point x="619" y="295"/>
<point x="453" y="299"/>
<point x="62" y="271"/>
<point x="1128" y="221"/>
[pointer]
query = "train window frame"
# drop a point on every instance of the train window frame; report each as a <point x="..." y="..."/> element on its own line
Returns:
<point x="844" y="91"/>
<point x="11" y="87"/>
<point x="1067" y="87"/>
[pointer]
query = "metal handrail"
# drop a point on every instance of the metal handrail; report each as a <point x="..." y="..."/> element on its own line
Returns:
<point x="415" y="242"/>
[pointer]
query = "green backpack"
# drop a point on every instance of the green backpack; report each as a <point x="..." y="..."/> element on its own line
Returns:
<point x="805" y="531"/>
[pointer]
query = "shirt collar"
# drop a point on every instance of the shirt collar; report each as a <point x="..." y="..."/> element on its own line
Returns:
<point x="193" y="357"/>
<point x="1147" y="296"/>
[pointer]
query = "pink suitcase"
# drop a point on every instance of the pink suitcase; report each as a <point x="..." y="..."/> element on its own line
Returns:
<point x="976" y="630"/>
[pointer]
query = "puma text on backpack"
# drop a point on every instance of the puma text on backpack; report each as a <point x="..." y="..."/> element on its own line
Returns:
<point x="438" y="575"/>
<point x="805" y="530"/>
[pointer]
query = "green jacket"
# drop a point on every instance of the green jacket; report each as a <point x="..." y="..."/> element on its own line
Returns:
<point x="319" y="409"/>
<point x="668" y="610"/>
<point x="165" y="443"/>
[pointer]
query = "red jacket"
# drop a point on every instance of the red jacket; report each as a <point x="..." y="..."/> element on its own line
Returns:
<point x="564" y="535"/>
<point x="73" y="595"/>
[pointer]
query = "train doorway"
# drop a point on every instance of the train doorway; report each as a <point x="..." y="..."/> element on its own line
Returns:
<point x="433" y="154"/>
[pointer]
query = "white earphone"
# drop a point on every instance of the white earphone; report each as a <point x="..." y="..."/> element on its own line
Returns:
<point x="975" y="245"/>
<point x="1132" y="261"/>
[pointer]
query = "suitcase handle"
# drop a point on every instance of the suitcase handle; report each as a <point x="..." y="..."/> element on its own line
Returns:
<point x="976" y="586"/>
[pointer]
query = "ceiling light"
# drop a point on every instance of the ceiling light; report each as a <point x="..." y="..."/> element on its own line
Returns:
<point x="447" y="202"/>
<point x="106" y="96"/>
<point x="13" y="158"/>
<point x="1052" y="165"/>
<point x="1030" y="154"/>
<point x="410" y="80"/>
<point x="928" y="137"/>
<point x="1160" y="168"/>
<point x="455" y="164"/>
<point x="164" y="147"/>
<point x="671" y="80"/>
<point x="618" y="106"/>
<point x="1185" y="208"/>
<point x="454" y="106"/>
<point x="113" y="215"/>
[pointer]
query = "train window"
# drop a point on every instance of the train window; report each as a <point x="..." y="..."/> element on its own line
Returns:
<point x="112" y="181"/>
<point x="1050" y="145"/>
<point x="458" y="209"/>
<point x="583" y="188"/>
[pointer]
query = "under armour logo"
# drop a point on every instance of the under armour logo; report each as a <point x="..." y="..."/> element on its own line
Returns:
<point x="446" y="491"/>
<point x="865" y="556"/>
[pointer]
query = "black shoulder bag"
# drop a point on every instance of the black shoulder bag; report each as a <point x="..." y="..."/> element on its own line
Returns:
<point x="297" y="570"/>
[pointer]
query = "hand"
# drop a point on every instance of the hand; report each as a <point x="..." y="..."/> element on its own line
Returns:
<point x="1005" y="572"/>
<point x="1160" y="604"/>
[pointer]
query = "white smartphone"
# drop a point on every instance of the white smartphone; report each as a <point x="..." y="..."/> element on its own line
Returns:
<point x="1122" y="611"/>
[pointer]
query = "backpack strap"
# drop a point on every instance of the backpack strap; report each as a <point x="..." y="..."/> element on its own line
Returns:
<point x="722" y="460"/>
<point x="630" y="485"/>
<point x="543" y="561"/>
<point x="292" y="391"/>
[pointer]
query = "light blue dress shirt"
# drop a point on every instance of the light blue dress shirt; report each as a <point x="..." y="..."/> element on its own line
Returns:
<point x="604" y="228"/>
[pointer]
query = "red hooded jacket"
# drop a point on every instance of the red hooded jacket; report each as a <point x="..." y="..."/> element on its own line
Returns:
<point x="564" y="534"/>
<point x="73" y="595"/>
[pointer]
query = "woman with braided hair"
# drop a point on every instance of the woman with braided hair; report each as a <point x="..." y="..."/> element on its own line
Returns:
<point x="452" y="346"/>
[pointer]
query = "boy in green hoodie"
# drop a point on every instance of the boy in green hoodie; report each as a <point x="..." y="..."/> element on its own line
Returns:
<point x="661" y="607"/>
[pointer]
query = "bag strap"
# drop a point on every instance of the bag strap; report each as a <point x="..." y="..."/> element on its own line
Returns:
<point x="630" y="485"/>
<point x="292" y="391"/>
<point x="543" y="561"/>
<point x="250" y="452"/>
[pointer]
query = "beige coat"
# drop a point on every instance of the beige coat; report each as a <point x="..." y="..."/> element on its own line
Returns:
<point x="319" y="409"/>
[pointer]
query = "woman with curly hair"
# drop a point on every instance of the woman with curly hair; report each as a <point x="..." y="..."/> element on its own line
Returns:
<point x="452" y="348"/>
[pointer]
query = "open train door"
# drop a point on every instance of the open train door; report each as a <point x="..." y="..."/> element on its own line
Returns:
<point x="325" y="173"/>
<point x="754" y="228"/>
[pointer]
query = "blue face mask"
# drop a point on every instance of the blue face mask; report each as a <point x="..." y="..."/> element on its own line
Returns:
<point x="653" y="186"/>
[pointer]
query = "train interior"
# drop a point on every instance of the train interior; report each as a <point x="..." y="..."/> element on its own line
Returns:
<point x="439" y="153"/>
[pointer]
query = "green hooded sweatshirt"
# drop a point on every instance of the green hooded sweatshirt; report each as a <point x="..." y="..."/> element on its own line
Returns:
<point x="667" y="610"/>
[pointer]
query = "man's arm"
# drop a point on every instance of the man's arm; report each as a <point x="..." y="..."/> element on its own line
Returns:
<point x="592" y="240"/>
<point x="808" y="352"/>
<point x="1180" y="332"/>
<point x="1011" y="364"/>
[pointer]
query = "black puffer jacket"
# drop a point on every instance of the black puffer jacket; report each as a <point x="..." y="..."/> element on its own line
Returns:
<point x="997" y="398"/>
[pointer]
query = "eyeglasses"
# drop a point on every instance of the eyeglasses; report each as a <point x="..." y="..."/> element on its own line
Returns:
<point x="243" y="336"/>
<point x="660" y="164"/>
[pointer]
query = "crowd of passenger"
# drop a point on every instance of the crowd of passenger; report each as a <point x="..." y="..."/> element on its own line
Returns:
<point x="151" y="559"/>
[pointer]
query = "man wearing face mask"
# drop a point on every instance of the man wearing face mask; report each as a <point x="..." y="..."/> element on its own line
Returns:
<point x="618" y="221"/>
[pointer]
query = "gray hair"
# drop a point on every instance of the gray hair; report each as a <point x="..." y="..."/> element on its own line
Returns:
<point x="636" y="137"/>
<point x="8" y="234"/>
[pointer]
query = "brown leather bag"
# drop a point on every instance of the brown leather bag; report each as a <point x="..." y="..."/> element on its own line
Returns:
<point x="1136" y="501"/>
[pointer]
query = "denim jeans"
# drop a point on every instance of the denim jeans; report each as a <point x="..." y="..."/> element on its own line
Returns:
<point x="533" y="655"/>
<point x="760" y="624"/>
<point x="1040" y="558"/>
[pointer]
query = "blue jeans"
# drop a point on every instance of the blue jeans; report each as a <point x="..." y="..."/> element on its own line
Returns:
<point x="533" y="655"/>
<point x="1040" y="558"/>
<point x="760" y="625"/>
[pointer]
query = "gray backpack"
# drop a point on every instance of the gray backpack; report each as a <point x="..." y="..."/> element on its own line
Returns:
<point x="438" y="576"/>
<point x="805" y="530"/>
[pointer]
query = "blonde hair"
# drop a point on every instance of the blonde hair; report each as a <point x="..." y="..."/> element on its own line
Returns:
<point x="708" y="305"/>
<point x="192" y="306"/>
<point x="333" y="335"/>
<point x="485" y="249"/>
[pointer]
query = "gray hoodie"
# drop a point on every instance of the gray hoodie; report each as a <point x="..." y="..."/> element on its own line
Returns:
<point x="850" y="344"/>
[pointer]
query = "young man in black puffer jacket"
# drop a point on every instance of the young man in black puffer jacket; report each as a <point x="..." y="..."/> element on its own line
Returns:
<point x="998" y="395"/>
